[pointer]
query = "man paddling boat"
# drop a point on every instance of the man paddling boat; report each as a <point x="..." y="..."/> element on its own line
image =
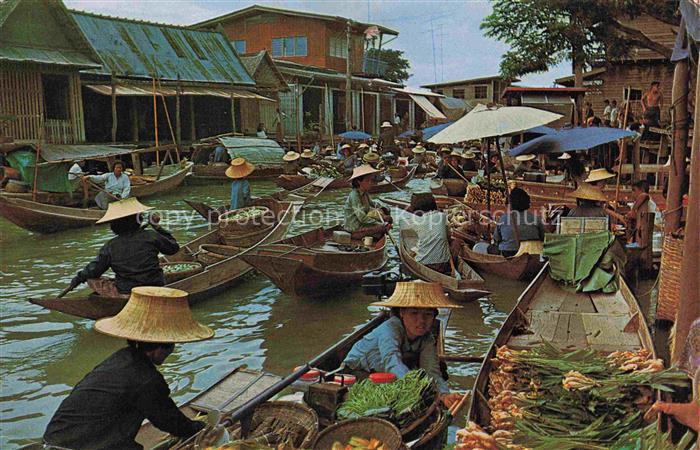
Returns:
<point x="405" y="342"/>
<point x="117" y="185"/>
<point x="106" y="408"/>
<point x="132" y="254"/>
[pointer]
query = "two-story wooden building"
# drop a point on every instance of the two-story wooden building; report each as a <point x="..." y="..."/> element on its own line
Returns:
<point x="318" y="55"/>
<point x="631" y="77"/>
<point x="473" y="90"/>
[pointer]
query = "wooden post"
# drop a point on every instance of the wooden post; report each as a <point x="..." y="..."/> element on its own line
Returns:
<point x="233" y="114"/>
<point x="134" y="119"/>
<point x="679" y="119"/>
<point x="136" y="161"/>
<point x="178" y="119"/>
<point x="635" y="160"/>
<point x="488" y="176"/>
<point x="36" y="170"/>
<point x="155" y="120"/>
<point x="114" y="111"/>
<point x="348" y="80"/>
<point x="193" y="124"/>
<point x="689" y="303"/>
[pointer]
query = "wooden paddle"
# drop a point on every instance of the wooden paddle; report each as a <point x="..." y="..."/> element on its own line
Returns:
<point x="65" y="291"/>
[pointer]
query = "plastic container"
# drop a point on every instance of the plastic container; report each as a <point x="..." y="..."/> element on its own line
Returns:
<point x="382" y="377"/>
<point x="313" y="376"/>
<point x="344" y="380"/>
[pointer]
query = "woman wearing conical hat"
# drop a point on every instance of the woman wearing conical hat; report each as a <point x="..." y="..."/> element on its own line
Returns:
<point x="132" y="254"/>
<point x="589" y="201"/>
<point x="238" y="171"/>
<point x="291" y="163"/>
<point x="405" y="341"/>
<point x="107" y="407"/>
<point x="363" y="217"/>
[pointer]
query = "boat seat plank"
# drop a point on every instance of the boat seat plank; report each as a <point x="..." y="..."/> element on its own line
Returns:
<point x="244" y="384"/>
<point x="610" y="304"/>
<point x="578" y="303"/>
<point x="604" y="329"/>
<point x="550" y="297"/>
<point x="543" y="324"/>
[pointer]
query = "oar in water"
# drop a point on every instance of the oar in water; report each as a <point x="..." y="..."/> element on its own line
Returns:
<point x="65" y="291"/>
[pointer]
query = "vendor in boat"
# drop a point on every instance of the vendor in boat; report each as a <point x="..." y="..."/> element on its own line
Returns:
<point x="349" y="161"/>
<point x="518" y="226"/>
<point x="132" y="254"/>
<point x="375" y="162"/>
<point x="419" y="157"/>
<point x="106" y="408"/>
<point x="405" y="341"/>
<point x="643" y="203"/>
<point x="240" y="187"/>
<point x="291" y="163"/>
<point x="525" y="164"/>
<point x="589" y="201"/>
<point x="308" y="158"/>
<point x="116" y="185"/>
<point x="444" y="154"/>
<point x="433" y="249"/>
<point x="451" y="168"/>
<point x="599" y="177"/>
<point x="363" y="217"/>
<point x="468" y="161"/>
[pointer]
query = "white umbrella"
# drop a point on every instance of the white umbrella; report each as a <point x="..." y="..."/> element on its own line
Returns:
<point x="489" y="121"/>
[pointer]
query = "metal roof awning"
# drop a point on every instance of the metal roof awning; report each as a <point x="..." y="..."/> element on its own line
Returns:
<point x="411" y="91"/>
<point x="428" y="107"/>
<point x="136" y="90"/>
<point x="546" y="99"/>
<point x="58" y="153"/>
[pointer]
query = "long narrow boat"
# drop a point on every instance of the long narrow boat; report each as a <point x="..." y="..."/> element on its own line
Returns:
<point x="149" y="188"/>
<point x="216" y="173"/>
<point x="292" y="182"/>
<point x="547" y="311"/>
<point x="522" y="267"/>
<point x="213" y="279"/>
<point x="465" y="288"/>
<point x="45" y="218"/>
<point x="312" y="264"/>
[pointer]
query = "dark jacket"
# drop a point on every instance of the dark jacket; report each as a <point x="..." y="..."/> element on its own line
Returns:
<point x="134" y="259"/>
<point x="106" y="408"/>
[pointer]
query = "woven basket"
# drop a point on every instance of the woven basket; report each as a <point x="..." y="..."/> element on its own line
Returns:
<point x="247" y="225"/>
<point x="209" y="254"/>
<point x="435" y="436"/>
<point x="365" y="428"/>
<point x="275" y="423"/>
<point x="172" y="277"/>
<point x="670" y="278"/>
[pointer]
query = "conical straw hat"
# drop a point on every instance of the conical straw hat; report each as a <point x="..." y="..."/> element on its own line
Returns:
<point x="598" y="175"/>
<point x="385" y="124"/>
<point x="155" y="314"/>
<point x="363" y="170"/>
<point x="565" y="156"/>
<point x="345" y="146"/>
<point x="525" y="157"/>
<point x="363" y="145"/>
<point x="239" y="168"/>
<point x="469" y="154"/>
<point x="418" y="149"/>
<point x="417" y="294"/>
<point x="370" y="157"/>
<point x="586" y="191"/>
<point x="291" y="156"/>
<point x="307" y="153"/>
<point x="123" y="208"/>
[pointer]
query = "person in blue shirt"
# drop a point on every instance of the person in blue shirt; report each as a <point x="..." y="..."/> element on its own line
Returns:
<point x="405" y="341"/>
<point x="240" y="187"/>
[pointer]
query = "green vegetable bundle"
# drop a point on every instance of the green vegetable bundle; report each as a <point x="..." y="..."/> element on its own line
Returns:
<point x="180" y="267"/>
<point x="400" y="402"/>
<point x="326" y="172"/>
<point x="246" y="213"/>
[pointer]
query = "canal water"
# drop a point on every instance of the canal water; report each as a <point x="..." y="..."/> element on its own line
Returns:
<point x="43" y="353"/>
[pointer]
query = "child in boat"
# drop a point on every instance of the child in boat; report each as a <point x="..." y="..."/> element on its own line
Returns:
<point x="405" y="342"/>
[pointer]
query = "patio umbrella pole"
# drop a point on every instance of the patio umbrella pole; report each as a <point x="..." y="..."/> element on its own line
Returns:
<point x="488" y="175"/>
<point x="503" y="168"/>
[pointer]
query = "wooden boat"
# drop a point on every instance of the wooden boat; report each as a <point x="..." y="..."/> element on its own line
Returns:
<point x="240" y="391"/>
<point x="45" y="218"/>
<point x="312" y="264"/>
<point x="213" y="279"/>
<point x="216" y="173"/>
<point x="292" y="182"/>
<point x="523" y="267"/>
<point x="466" y="288"/>
<point x="547" y="311"/>
<point x="146" y="189"/>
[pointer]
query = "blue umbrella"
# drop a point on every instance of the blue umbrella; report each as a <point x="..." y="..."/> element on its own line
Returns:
<point x="542" y="129"/>
<point x="571" y="140"/>
<point x="406" y="134"/>
<point x="431" y="131"/>
<point x="355" y="135"/>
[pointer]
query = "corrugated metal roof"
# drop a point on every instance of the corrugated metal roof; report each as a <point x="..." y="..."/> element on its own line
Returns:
<point x="131" y="48"/>
<point x="46" y="56"/>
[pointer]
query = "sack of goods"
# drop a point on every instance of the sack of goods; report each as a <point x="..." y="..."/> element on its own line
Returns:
<point x="241" y="226"/>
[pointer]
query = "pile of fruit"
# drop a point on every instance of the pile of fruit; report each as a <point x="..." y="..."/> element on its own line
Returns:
<point x="477" y="194"/>
<point x="357" y="443"/>
<point x="325" y="172"/>
<point x="466" y="221"/>
<point x="549" y="398"/>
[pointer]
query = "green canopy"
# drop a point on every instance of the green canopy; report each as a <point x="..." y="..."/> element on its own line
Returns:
<point x="590" y="261"/>
<point x="52" y="177"/>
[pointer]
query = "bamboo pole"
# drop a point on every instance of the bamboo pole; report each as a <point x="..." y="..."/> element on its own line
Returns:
<point x="622" y="145"/>
<point x="36" y="170"/>
<point x="679" y="120"/>
<point x="155" y="120"/>
<point x="689" y="303"/>
<point x="488" y="175"/>
<point x="178" y="118"/>
<point x="170" y="127"/>
<point x="193" y="124"/>
<point x="503" y="169"/>
<point x="114" y="111"/>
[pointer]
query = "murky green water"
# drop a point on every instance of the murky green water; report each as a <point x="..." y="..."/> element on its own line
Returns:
<point x="43" y="354"/>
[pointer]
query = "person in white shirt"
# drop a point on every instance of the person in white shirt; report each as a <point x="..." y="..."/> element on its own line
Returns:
<point x="261" y="131"/>
<point x="117" y="185"/>
<point x="76" y="170"/>
<point x="614" y="115"/>
<point x="431" y="228"/>
<point x="606" y="112"/>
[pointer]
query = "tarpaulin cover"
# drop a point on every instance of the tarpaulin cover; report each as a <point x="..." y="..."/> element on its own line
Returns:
<point x="590" y="261"/>
<point x="542" y="130"/>
<point x="572" y="139"/>
<point x="255" y="150"/>
<point x="355" y="134"/>
<point x="52" y="178"/>
<point x="431" y="131"/>
<point x="68" y="153"/>
<point x="428" y="107"/>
